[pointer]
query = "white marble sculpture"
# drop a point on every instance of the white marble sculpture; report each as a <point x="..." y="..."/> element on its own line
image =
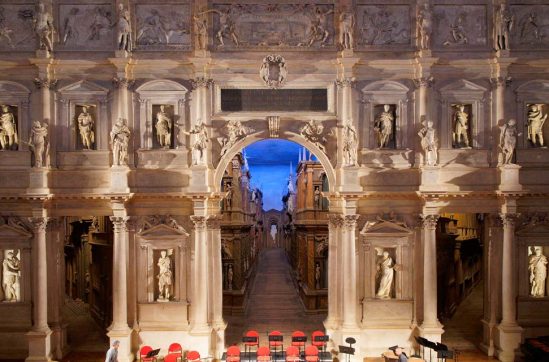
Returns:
<point x="230" y="275"/>
<point x="124" y="28"/>
<point x="163" y="128"/>
<point x="86" y="127"/>
<point x="536" y="120"/>
<point x="318" y="29"/>
<point x="200" y="143"/>
<point x="165" y="276"/>
<point x="457" y="34"/>
<point x="508" y="142"/>
<point x="350" y="144"/>
<point x="317" y="198"/>
<point x="39" y="145"/>
<point x="383" y="126"/>
<point x="425" y="27"/>
<point x="228" y="199"/>
<point x="537" y="267"/>
<point x="9" y="138"/>
<point x="317" y="276"/>
<point x="44" y="29"/>
<point x="385" y="273"/>
<point x="346" y="29"/>
<point x="312" y="131"/>
<point x="120" y="139"/>
<point x="461" y="128"/>
<point x="503" y="24"/>
<point x="11" y="274"/>
<point x="235" y="132"/>
<point x="201" y="30"/>
<point x="429" y="143"/>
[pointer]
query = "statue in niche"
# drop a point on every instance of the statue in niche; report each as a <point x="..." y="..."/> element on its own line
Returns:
<point x="8" y="129"/>
<point x="164" y="276"/>
<point x="201" y="30"/>
<point x="503" y="24"/>
<point x="346" y="29"/>
<point x="317" y="198"/>
<point x="230" y="275"/>
<point x="312" y="131"/>
<point x="425" y="27"/>
<point x="228" y="196"/>
<point x="235" y="131"/>
<point x="535" y="120"/>
<point x="508" y="142"/>
<point x="86" y="128"/>
<point x="350" y="144"/>
<point x="226" y="250"/>
<point x="385" y="275"/>
<point x="383" y="126"/>
<point x="70" y="26"/>
<point x="11" y="274"/>
<point x="461" y="127"/>
<point x="200" y="143"/>
<point x="318" y="28"/>
<point x="39" y="145"/>
<point x="537" y="266"/>
<point x="317" y="276"/>
<point x="124" y="29"/>
<point x="457" y="32"/>
<point x="429" y="142"/>
<point x="43" y="27"/>
<point x="5" y="32"/>
<point x="529" y="29"/>
<point x="163" y="128"/>
<point x="120" y="139"/>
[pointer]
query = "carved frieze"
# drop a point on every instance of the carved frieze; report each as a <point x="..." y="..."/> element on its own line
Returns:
<point x="86" y="26"/>
<point x="161" y="26"/>
<point x="383" y="25"/>
<point x="16" y="27"/>
<point x="530" y="26"/>
<point x="459" y="26"/>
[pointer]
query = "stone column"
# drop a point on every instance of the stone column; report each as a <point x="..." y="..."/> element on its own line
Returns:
<point x="349" y="269"/>
<point x="40" y="336"/>
<point x="119" y="329"/>
<point x="216" y="285"/>
<point x="199" y="305"/>
<point x="431" y="327"/>
<point x="423" y="84"/>
<point x="510" y="332"/>
<point x="309" y="200"/>
<point x="334" y="230"/>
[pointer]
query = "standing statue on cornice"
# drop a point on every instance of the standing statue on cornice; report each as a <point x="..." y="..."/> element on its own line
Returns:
<point x="461" y="127"/>
<point x="200" y="143"/>
<point x="503" y="24"/>
<point x="425" y="27"/>
<point x="163" y="128"/>
<point x="201" y="30"/>
<point x="44" y="29"/>
<point x="350" y="144"/>
<point x="39" y="145"/>
<point x="346" y="29"/>
<point x="429" y="143"/>
<point x="120" y="139"/>
<point x="124" y="29"/>
<point x="508" y="142"/>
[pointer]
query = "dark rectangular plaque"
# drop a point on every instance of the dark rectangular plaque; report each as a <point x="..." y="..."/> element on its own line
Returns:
<point x="346" y="350"/>
<point x="289" y="100"/>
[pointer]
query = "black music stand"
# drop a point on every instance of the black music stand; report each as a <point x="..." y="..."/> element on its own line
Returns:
<point x="246" y="340"/>
<point x="153" y="353"/>
<point x="325" y="338"/>
<point x="276" y="339"/>
<point x="300" y="339"/>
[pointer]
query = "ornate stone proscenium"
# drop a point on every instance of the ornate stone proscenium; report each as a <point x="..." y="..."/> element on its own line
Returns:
<point x="273" y="71"/>
<point x="312" y="131"/>
<point x="235" y="132"/>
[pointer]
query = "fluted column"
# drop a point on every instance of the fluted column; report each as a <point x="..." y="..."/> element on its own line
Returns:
<point x="40" y="276"/>
<point x="199" y="304"/>
<point x="348" y="250"/>
<point x="119" y="271"/>
<point x="214" y="233"/>
<point x="430" y="319"/>
<point x="334" y="231"/>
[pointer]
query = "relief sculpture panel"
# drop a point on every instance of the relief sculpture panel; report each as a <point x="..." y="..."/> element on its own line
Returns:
<point x="16" y="27"/>
<point x="460" y="26"/>
<point x="530" y="25"/>
<point x="87" y="27"/>
<point x="383" y="25"/>
<point x="162" y="26"/>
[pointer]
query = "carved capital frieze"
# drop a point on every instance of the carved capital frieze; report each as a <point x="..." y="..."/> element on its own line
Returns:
<point x="199" y="222"/>
<point x="425" y="82"/>
<point x="45" y="82"/>
<point x="509" y="220"/>
<point x="429" y="221"/>
<point x="201" y="82"/>
<point x="120" y="223"/>
<point x="346" y="82"/>
<point x="350" y="221"/>
<point x="214" y="221"/>
<point x="498" y="82"/>
<point x="274" y="126"/>
<point x="120" y="82"/>
<point x="39" y="224"/>
<point x="336" y="220"/>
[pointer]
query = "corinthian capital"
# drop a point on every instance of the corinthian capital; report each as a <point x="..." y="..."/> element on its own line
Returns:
<point x="120" y="223"/>
<point x="500" y="82"/>
<point x="350" y="221"/>
<point x="201" y="82"/>
<point x="39" y="224"/>
<point x="426" y="82"/>
<point x="122" y="82"/>
<point x="213" y="221"/>
<point x="45" y="82"/>
<point x="336" y="220"/>
<point x="508" y="219"/>
<point x="429" y="221"/>
<point x="199" y="222"/>
<point x="345" y="82"/>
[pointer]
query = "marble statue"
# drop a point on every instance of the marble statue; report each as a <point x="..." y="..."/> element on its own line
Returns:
<point x="201" y="30"/>
<point x="350" y="144"/>
<point x="312" y="131"/>
<point x="86" y="128"/>
<point x="124" y="29"/>
<point x="120" y="139"/>
<point x="230" y="275"/>
<point x="5" y="31"/>
<point x="228" y="200"/>
<point x="346" y="29"/>
<point x="536" y="120"/>
<point x="425" y="27"/>
<point x="43" y="27"/>
<point x="537" y="266"/>
<point x="457" y="32"/>
<point x="11" y="275"/>
<point x="385" y="273"/>
<point x="318" y="29"/>
<point x="383" y="126"/>
<point x="227" y="253"/>
<point x="9" y="138"/>
<point x="235" y="132"/>
<point x="39" y="145"/>
<point x="461" y="127"/>
<point x="200" y="143"/>
<point x="317" y="276"/>
<point x="503" y="24"/>
<point x="70" y="26"/>
<point x="317" y="198"/>
<point x="164" y="276"/>
<point x="508" y="142"/>
<point x="429" y="143"/>
<point x="163" y="128"/>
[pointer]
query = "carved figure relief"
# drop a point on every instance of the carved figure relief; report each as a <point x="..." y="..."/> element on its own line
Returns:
<point x="9" y="139"/>
<point x="17" y="28"/>
<point x="383" y="24"/>
<point x="120" y="139"/>
<point x="273" y="71"/>
<point x="6" y="34"/>
<point x="86" y="26"/>
<point x="163" y="125"/>
<point x="346" y="29"/>
<point x="537" y="115"/>
<point x="11" y="275"/>
<point x="200" y="143"/>
<point x="384" y="125"/>
<point x="235" y="131"/>
<point x="425" y="27"/>
<point x="312" y="131"/>
<point x="529" y="31"/>
<point x="456" y="26"/>
<point x="165" y="276"/>
<point x="200" y="23"/>
<point x="86" y="125"/>
<point x="537" y="269"/>
<point x="460" y="133"/>
<point x="503" y="24"/>
<point x="39" y="144"/>
<point x="508" y="142"/>
<point x="44" y="28"/>
<point x="124" y="29"/>
<point x="160" y="26"/>
<point x="429" y="143"/>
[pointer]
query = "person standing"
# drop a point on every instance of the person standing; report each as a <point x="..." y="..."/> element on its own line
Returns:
<point x="112" y="353"/>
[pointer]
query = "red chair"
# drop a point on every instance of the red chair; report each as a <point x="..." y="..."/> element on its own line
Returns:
<point x="299" y="345"/>
<point x="311" y="354"/>
<point x="318" y="344"/>
<point x="233" y="354"/>
<point x="193" y="356"/>
<point x="275" y="344"/>
<point x="175" y="353"/>
<point x="292" y="354"/>
<point x="254" y="343"/>
<point x="264" y="354"/>
<point x="143" y="352"/>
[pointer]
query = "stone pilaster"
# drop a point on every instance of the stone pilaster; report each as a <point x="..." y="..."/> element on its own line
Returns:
<point x="333" y="320"/>
<point x="199" y="305"/>
<point x="348" y="250"/>
<point x="216" y="284"/>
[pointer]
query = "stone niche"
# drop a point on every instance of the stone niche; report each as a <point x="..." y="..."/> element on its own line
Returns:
<point x="395" y="308"/>
<point x="533" y="93"/>
<point x="533" y="235"/>
<point x="16" y="97"/>
<point x="163" y="247"/>
<point x="171" y="151"/>
<point x="71" y="101"/>
<point x="15" y="293"/>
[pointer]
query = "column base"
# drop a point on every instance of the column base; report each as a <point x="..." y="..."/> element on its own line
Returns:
<point x="60" y="346"/>
<point x="39" y="346"/>
<point x="509" y="337"/>
<point x="432" y="332"/>
<point x="218" y="345"/>
<point x="125" y="337"/>
<point x="487" y="346"/>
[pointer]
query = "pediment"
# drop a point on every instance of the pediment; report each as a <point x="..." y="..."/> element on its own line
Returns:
<point x="13" y="88"/>
<point x="11" y="232"/>
<point x="84" y="87"/>
<point x="385" y="227"/>
<point x="462" y="85"/>
<point x="541" y="228"/>
<point x="385" y="87"/>
<point x="161" y="86"/>
<point x="534" y="86"/>
<point x="162" y="231"/>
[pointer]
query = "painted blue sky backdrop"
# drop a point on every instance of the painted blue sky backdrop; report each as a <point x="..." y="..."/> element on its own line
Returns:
<point x="269" y="163"/>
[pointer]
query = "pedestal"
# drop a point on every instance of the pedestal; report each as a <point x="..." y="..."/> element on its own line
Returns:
<point x="202" y="53"/>
<point x="43" y="53"/>
<point x="509" y="339"/>
<point x="487" y="346"/>
<point x="424" y="53"/>
<point x="347" y="53"/>
<point x="39" y="346"/>
<point x="429" y="178"/>
<point x="119" y="179"/>
<point x="125" y="349"/>
<point x="38" y="181"/>
<point x="199" y="179"/>
<point x="509" y="178"/>
<point x="351" y="181"/>
<point x="121" y="54"/>
<point x="59" y="341"/>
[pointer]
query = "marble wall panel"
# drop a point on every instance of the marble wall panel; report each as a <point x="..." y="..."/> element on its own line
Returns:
<point x="16" y="27"/>
<point x="460" y="26"/>
<point x="531" y="26"/>
<point x="86" y="26"/>
<point x="382" y="25"/>
<point x="161" y="26"/>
